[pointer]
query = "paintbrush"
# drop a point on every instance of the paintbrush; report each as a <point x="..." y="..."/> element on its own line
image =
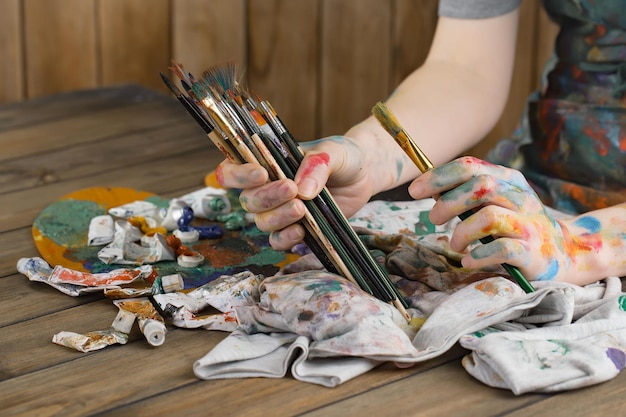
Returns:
<point x="389" y="122"/>
<point x="259" y="136"/>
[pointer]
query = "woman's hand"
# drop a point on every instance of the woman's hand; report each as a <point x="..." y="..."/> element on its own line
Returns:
<point x="505" y="207"/>
<point x="278" y="205"/>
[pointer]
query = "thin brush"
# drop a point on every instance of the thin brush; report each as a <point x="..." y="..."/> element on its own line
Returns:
<point x="269" y="143"/>
<point x="206" y="125"/>
<point x="315" y="238"/>
<point x="223" y="122"/>
<point x="367" y="266"/>
<point x="389" y="122"/>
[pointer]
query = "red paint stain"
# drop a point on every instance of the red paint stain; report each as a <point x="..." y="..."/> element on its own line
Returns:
<point x="219" y="174"/>
<point x="313" y="161"/>
<point x="480" y="193"/>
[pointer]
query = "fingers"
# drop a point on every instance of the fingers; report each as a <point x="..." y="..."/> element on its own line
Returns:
<point x="469" y="185"/>
<point x="504" y="250"/>
<point x="491" y="221"/>
<point x="231" y="175"/>
<point x="461" y="170"/>
<point x="286" y="238"/>
<point x="312" y="174"/>
<point x="268" y="196"/>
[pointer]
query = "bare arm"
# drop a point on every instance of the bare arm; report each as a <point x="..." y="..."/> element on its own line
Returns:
<point x="447" y="105"/>
<point x="452" y="101"/>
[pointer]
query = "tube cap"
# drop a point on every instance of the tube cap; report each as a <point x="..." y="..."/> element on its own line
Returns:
<point x="124" y="321"/>
<point x="172" y="283"/>
<point x="154" y="332"/>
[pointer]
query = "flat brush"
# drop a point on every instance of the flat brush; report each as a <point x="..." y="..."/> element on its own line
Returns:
<point x="389" y="122"/>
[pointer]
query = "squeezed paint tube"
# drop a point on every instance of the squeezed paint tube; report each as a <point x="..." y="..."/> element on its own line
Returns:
<point x="134" y="209"/>
<point x="208" y="202"/>
<point x="101" y="231"/>
<point x="151" y="323"/>
<point x="172" y="214"/>
<point x="98" y="339"/>
<point x="123" y="250"/>
<point x="76" y="283"/>
<point x="161" y="285"/>
<point x="224" y="294"/>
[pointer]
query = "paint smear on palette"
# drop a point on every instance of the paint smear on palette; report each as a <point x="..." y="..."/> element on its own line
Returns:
<point x="60" y="235"/>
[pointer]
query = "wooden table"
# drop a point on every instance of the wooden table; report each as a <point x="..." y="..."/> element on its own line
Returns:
<point x="131" y="137"/>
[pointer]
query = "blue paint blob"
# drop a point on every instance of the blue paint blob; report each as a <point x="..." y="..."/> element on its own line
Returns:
<point x="551" y="271"/>
<point x="589" y="223"/>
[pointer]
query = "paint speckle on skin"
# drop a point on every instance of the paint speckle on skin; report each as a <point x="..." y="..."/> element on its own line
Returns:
<point x="219" y="175"/>
<point x="399" y="168"/>
<point x="551" y="271"/>
<point x="589" y="223"/>
<point x="618" y="357"/>
<point x="313" y="161"/>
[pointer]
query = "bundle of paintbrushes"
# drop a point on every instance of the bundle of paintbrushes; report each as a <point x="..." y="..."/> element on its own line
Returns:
<point x="248" y="129"/>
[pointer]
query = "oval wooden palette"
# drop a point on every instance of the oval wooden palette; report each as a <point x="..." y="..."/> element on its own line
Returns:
<point x="60" y="235"/>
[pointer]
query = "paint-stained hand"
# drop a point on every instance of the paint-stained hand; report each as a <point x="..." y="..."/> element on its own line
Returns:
<point x="335" y="162"/>
<point x="505" y="207"/>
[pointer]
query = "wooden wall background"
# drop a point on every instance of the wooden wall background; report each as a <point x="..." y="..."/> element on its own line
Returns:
<point x="322" y="63"/>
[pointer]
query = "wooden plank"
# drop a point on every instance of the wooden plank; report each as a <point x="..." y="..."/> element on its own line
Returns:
<point x="60" y="45"/>
<point x="413" y="31"/>
<point x="134" y="41"/>
<point x="606" y="399"/>
<point x="87" y="159"/>
<point x="11" y="64"/>
<point x="86" y="128"/>
<point x="26" y="300"/>
<point x="69" y="104"/>
<point x="13" y="246"/>
<point x="165" y="174"/>
<point x="208" y="33"/>
<point x="355" y="61"/>
<point x="105" y="379"/>
<point x="444" y="391"/>
<point x="276" y="397"/>
<point x="283" y="60"/>
<point x="522" y="83"/>
<point x="39" y="330"/>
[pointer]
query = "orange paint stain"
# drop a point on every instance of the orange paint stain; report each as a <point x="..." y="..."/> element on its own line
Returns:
<point x="488" y="288"/>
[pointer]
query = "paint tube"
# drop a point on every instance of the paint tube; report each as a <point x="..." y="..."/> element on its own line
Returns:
<point x="208" y="202"/>
<point x="224" y="294"/>
<point x="76" y="283"/>
<point x="99" y="339"/>
<point x="123" y="250"/>
<point x="151" y="323"/>
<point x="101" y="231"/>
<point x="134" y="209"/>
<point x="172" y="214"/>
<point x="161" y="285"/>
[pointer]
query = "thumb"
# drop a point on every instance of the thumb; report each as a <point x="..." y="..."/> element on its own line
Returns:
<point x="312" y="174"/>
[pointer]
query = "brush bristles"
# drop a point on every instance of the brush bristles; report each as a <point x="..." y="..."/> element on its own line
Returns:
<point x="251" y="130"/>
<point x="389" y="122"/>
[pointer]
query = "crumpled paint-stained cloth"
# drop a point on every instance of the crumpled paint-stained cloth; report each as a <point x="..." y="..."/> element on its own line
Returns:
<point x="325" y="330"/>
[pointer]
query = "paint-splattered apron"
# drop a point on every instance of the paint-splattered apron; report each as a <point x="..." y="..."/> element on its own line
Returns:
<point x="571" y="144"/>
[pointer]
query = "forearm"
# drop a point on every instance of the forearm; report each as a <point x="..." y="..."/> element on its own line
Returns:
<point x="597" y="244"/>
<point x="448" y="104"/>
